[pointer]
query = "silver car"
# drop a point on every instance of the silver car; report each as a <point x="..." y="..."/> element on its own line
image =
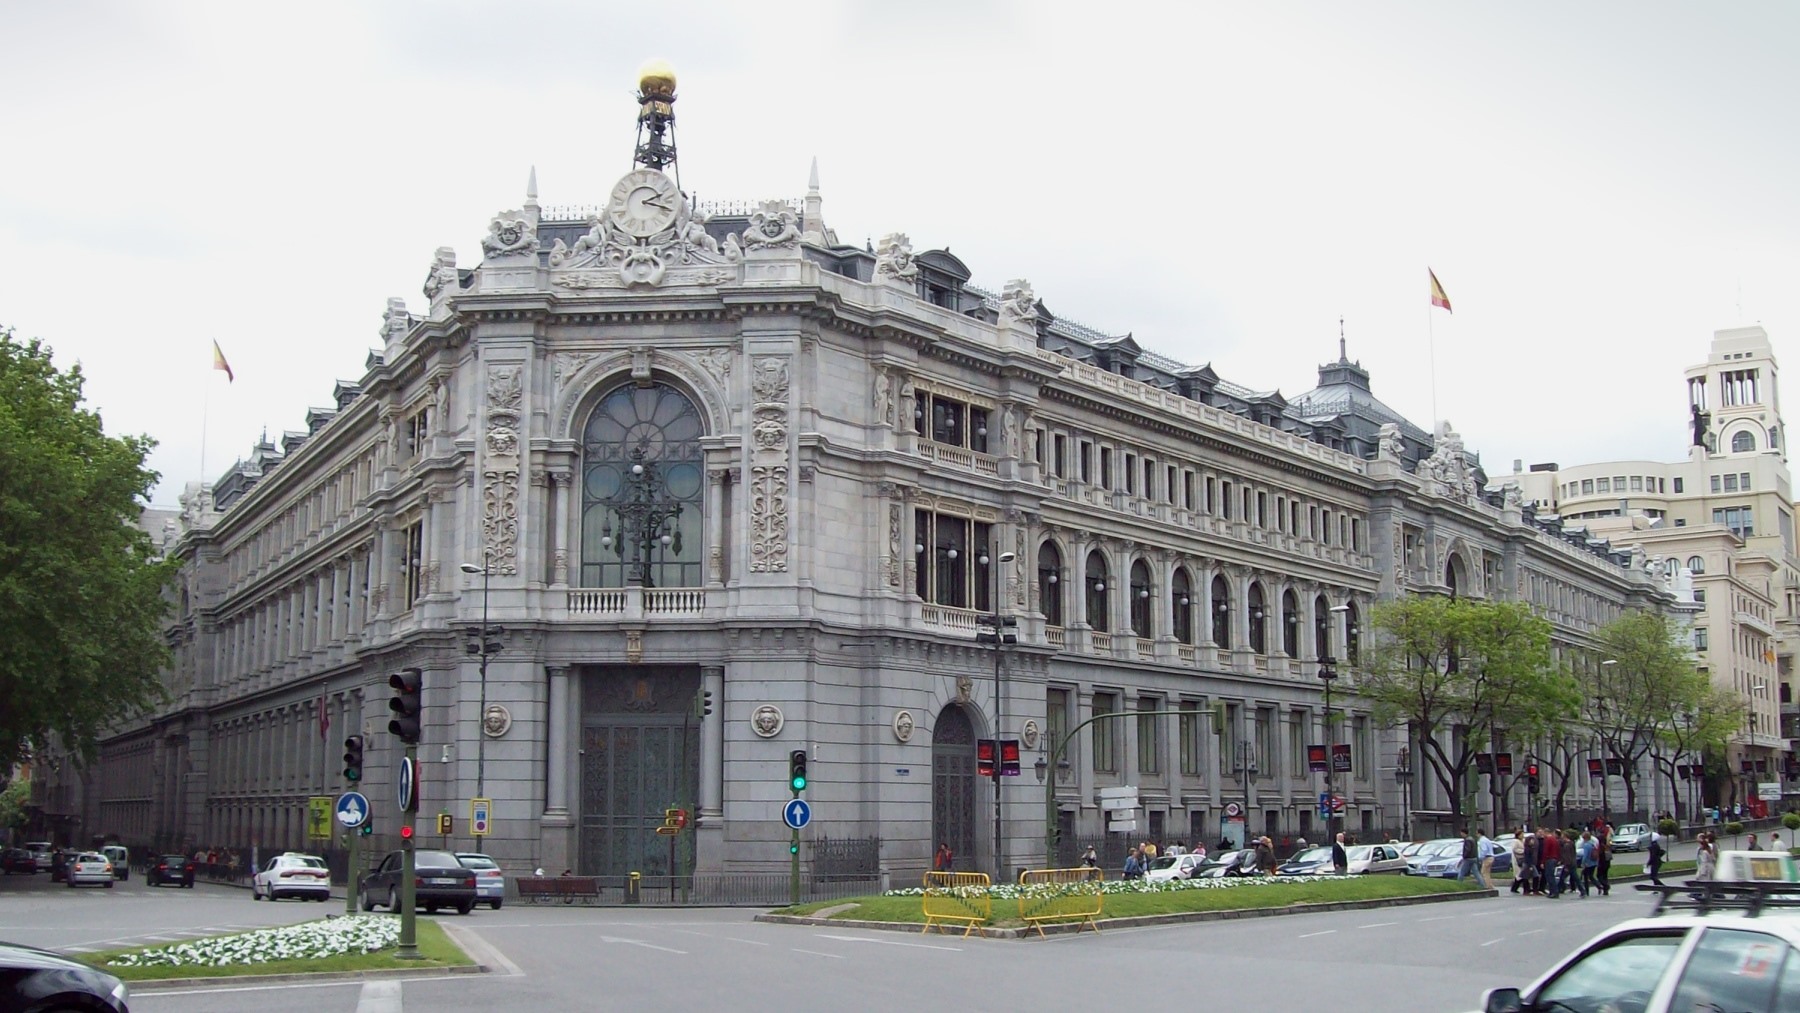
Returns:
<point x="490" y="882"/>
<point x="1631" y="837"/>
<point x="90" y="867"/>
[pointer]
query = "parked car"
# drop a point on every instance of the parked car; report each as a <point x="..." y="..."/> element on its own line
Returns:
<point x="1227" y="863"/>
<point x="1631" y="837"/>
<point x="177" y="869"/>
<point x="1164" y="868"/>
<point x="120" y="858"/>
<point x="18" y="861"/>
<point x="490" y="882"/>
<point x="1430" y="851"/>
<point x="42" y="852"/>
<point x="88" y="867"/>
<point x="32" y="979"/>
<point x="1725" y="957"/>
<point x="1311" y="862"/>
<point x="439" y="881"/>
<point x="1444" y="863"/>
<point x="292" y="875"/>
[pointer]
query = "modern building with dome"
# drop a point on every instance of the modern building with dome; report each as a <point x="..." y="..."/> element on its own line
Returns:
<point x="725" y="488"/>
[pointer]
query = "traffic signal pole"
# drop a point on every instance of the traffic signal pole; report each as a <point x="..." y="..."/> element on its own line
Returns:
<point x="409" y="891"/>
<point x="350" y="877"/>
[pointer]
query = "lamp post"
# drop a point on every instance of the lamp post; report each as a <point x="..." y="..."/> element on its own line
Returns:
<point x="1750" y="737"/>
<point x="646" y="519"/>
<point x="1403" y="774"/>
<point x="484" y="645"/>
<point x="1328" y="674"/>
<point x="993" y="628"/>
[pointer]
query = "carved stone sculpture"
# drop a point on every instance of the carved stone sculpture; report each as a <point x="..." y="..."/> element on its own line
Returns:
<point x="1018" y="303"/>
<point x="509" y="236"/>
<point x="772" y="227"/>
<point x="894" y="259"/>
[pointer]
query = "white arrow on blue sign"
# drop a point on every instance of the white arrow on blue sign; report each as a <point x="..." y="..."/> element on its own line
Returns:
<point x="352" y="809"/>
<point x="796" y="814"/>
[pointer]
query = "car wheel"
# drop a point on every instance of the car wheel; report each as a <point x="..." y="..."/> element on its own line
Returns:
<point x="494" y="904"/>
<point x="109" y="884"/>
<point x="365" y="901"/>
<point x="393" y="904"/>
<point x="467" y="906"/>
<point x="255" y="894"/>
<point x="431" y="909"/>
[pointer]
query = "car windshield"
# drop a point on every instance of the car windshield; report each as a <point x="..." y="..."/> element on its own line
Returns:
<point x="304" y="862"/>
<point x="1438" y="849"/>
<point x="1311" y="855"/>
<point x="1163" y="862"/>
<point x="173" y="859"/>
<point x="1360" y="853"/>
<point x="435" y="859"/>
<point x="477" y="862"/>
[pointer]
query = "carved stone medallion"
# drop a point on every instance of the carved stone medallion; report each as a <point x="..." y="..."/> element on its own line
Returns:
<point x="496" y="721"/>
<point x="904" y="725"/>
<point x="767" y="720"/>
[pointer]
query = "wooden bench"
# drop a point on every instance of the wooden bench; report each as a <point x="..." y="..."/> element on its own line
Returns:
<point x="569" y="889"/>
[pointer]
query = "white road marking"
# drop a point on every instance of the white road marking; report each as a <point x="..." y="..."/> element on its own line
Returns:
<point x="1309" y="935"/>
<point x="1377" y="925"/>
<point x="379" y="997"/>
<point x="1528" y="932"/>
<point x="816" y="953"/>
<point x="1441" y="918"/>
<point x="708" y="935"/>
<point x="147" y="996"/>
<point x="639" y="942"/>
<point x="888" y="942"/>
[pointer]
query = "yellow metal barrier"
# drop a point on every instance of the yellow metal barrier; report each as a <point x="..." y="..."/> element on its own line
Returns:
<point x="957" y="897"/>
<point x="1059" y="895"/>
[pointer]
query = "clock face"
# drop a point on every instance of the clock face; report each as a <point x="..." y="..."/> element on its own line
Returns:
<point x="644" y="203"/>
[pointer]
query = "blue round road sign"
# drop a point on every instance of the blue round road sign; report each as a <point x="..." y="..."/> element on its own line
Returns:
<point x="407" y="784"/>
<point x="352" y="809"/>
<point x="796" y="814"/>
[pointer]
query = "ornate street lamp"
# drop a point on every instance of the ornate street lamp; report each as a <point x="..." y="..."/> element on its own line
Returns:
<point x="647" y="520"/>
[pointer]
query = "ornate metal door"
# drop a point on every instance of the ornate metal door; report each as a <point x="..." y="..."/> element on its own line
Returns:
<point x="640" y="755"/>
<point x="953" y="785"/>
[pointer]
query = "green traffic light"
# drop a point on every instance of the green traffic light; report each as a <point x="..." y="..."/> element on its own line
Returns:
<point x="799" y="782"/>
<point x="793" y="849"/>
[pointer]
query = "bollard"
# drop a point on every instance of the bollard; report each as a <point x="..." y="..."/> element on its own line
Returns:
<point x="632" y="888"/>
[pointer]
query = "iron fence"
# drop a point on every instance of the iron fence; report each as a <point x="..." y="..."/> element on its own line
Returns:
<point x="852" y="858"/>
<point x="714" y="889"/>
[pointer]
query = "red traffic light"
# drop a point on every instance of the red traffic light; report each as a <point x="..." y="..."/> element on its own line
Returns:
<point x="406" y="833"/>
<point x="1531" y="770"/>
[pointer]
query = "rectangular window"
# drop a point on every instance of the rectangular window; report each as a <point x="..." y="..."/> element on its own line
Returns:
<point x="1363" y="757"/>
<point x="1297" y="739"/>
<point x="1312" y="523"/>
<point x="1637" y="483"/>
<point x="1037" y="446"/>
<point x="1744" y="481"/>
<point x="1715" y="483"/>
<point x="1602" y="485"/>
<point x="1169" y="485"/>
<point x="1356" y="538"/>
<point x="1678" y="485"/>
<point x="1056" y="717"/>
<point x="1737" y="519"/>
<point x="1149" y="739"/>
<point x="1262" y="509"/>
<point x="1281" y="513"/>
<point x="1149" y="479"/>
<point x="414" y="562"/>
<point x="1061" y="449"/>
<point x="1700" y="639"/>
<point x="1325" y="520"/>
<point x="1230" y="752"/>
<point x="1618" y="483"/>
<point x="1210" y="490"/>
<point x="1189" y="729"/>
<point x="1106" y="466"/>
<point x="1087" y="463"/>
<point x="1587" y="487"/>
<point x="1731" y="483"/>
<point x="1106" y="734"/>
<point x="1130" y="474"/>
<point x="1265" y="741"/>
<point x="1187" y="490"/>
<point x="1225" y="499"/>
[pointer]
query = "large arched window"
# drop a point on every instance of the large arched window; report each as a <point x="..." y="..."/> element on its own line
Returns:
<point x="1352" y="634"/>
<point x="1049" y="581"/>
<point x="1321" y="627"/>
<point x="1221" y="615"/>
<point x="1290" y="624"/>
<point x="642" y="481"/>
<point x="1096" y="592"/>
<point x="1259" y="620"/>
<point x="1183" y="605"/>
<point x="1743" y="442"/>
<point x="1141" y="622"/>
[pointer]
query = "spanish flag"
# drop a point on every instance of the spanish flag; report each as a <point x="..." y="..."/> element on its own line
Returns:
<point x="1438" y="298"/>
<point x="220" y="363"/>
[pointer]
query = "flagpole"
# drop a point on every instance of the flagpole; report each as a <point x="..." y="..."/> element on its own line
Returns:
<point x="1431" y="357"/>
<point x="205" y="405"/>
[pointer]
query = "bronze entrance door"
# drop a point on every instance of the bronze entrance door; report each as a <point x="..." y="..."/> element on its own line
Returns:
<point x="953" y="786"/>
<point x="640" y="755"/>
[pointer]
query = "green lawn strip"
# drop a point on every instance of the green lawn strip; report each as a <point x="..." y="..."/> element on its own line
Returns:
<point x="435" y="950"/>
<point x="1250" y="896"/>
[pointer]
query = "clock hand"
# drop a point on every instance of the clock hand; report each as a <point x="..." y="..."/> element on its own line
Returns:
<point x="655" y="203"/>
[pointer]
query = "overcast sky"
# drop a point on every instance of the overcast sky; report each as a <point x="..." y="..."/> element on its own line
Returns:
<point x="1599" y="186"/>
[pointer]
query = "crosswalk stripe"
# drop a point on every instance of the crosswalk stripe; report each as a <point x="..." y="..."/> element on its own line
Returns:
<point x="379" y="997"/>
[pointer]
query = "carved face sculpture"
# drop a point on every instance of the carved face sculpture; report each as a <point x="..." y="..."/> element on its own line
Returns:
<point x="766" y="720"/>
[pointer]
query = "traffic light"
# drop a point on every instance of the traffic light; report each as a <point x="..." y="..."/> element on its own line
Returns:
<point x="1009" y="757"/>
<point x="405" y="704"/>
<point x="446" y="824"/>
<point x="797" y="770"/>
<point x="353" y="758"/>
<point x="703" y="703"/>
<point x="485" y="641"/>
<point x="984" y="758"/>
<point x="1531" y="778"/>
<point x="367" y="828"/>
<point x="406" y="835"/>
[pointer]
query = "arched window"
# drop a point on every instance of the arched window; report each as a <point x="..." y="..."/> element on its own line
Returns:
<point x="1743" y="442"/>
<point x="1453" y="575"/>
<point x="1290" y="624"/>
<point x="1259" y="622"/>
<point x="1221" y="615"/>
<point x="642" y="483"/>
<point x="1141" y="622"/>
<point x="1181" y="590"/>
<point x="1049" y="581"/>
<point x="1096" y="592"/>
<point x="1352" y="634"/>
<point x="1321" y="627"/>
<point x="1696" y="565"/>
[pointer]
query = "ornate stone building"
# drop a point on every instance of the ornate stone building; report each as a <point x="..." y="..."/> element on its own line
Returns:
<point x="710" y="457"/>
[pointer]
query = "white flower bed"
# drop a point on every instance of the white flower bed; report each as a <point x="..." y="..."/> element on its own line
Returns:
<point x="1012" y="891"/>
<point x="306" y="941"/>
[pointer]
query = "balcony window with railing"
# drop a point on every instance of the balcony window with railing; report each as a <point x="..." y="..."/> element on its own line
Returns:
<point x="642" y="487"/>
<point x="948" y="571"/>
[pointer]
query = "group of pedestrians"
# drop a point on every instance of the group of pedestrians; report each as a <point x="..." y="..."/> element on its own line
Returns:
<point x="1548" y="862"/>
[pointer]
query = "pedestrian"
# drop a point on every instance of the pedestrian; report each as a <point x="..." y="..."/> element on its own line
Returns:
<point x="1517" y="847"/>
<point x="945" y="859"/>
<point x="1550" y="861"/>
<point x="1485" y="850"/>
<point x="1340" y="859"/>
<point x="1134" y="864"/>
<point x="1525" y="863"/>
<point x="1775" y="842"/>
<point x="1265" y="856"/>
<point x="1706" y="857"/>
<point x="1465" y="867"/>
<point x="1090" y="859"/>
<point x="1588" y="855"/>
<point x="1753" y="846"/>
<point x="1603" y="855"/>
<point x="1653" y="858"/>
<point x="1200" y="849"/>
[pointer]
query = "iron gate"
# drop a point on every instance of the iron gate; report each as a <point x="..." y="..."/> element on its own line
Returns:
<point x="640" y="755"/>
<point x="953" y="784"/>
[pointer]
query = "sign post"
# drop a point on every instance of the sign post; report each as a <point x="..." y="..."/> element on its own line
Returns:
<point x="318" y="818"/>
<point x="478" y="816"/>
<point x="352" y="812"/>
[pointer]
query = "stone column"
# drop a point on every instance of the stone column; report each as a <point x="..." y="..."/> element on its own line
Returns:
<point x="561" y="485"/>
<point x="709" y="835"/>
<point x="557" y="831"/>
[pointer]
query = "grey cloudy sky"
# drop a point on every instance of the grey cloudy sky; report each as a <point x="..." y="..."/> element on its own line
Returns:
<point x="1599" y="185"/>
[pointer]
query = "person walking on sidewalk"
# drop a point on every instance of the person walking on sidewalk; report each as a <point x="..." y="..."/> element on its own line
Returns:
<point x="1485" y="849"/>
<point x="1706" y="857"/>
<point x="1603" y="855"/>
<point x="1587" y="854"/>
<point x="1550" y="861"/>
<point x="1340" y="858"/>
<point x="1465" y="866"/>
<point x="1653" y="859"/>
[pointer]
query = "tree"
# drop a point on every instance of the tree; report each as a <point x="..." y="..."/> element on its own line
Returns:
<point x="1631" y="701"/>
<point x="13" y="799"/>
<point x="81" y="589"/>
<point x="1460" y="672"/>
<point x="1700" y="731"/>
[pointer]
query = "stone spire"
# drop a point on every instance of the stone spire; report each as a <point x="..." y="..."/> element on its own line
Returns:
<point x="531" y="189"/>
<point x="812" y="217"/>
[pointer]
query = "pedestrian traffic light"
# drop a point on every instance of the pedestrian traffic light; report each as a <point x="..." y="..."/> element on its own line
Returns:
<point x="1531" y="778"/>
<point x="405" y="704"/>
<point x="984" y="758"/>
<point x="1009" y="757"/>
<point x="446" y="824"/>
<point x="797" y="770"/>
<point x="353" y="758"/>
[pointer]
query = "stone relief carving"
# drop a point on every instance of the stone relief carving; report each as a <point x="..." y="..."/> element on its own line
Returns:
<point x="1514" y="495"/>
<point x="767" y="720"/>
<point x="1447" y="469"/>
<point x="510" y="237"/>
<point x="500" y="472"/>
<point x="607" y="257"/>
<point x="634" y="647"/>
<point x="904" y="726"/>
<point x="891" y="565"/>
<point x="442" y="273"/>
<point x="1018" y="304"/>
<point x="396" y="321"/>
<point x="497" y="721"/>
<point x="565" y="365"/>
<point x="772" y="227"/>
<point x="1009" y="431"/>
<point x="717" y="363"/>
<point x="768" y="465"/>
<point x="1390" y="445"/>
<point x="905" y="407"/>
<point x="1018" y="581"/>
<point x="884" y="397"/>
<point x="1028" y="734"/>
<point x="894" y="259"/>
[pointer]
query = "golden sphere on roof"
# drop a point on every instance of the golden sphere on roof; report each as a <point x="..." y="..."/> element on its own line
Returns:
<point x="656" y="79"/>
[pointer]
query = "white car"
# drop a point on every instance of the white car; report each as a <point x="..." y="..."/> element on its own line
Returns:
<point x="90" y="867"/>
<point x="1167" y="867"/>
<point x="292" y="875"/>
